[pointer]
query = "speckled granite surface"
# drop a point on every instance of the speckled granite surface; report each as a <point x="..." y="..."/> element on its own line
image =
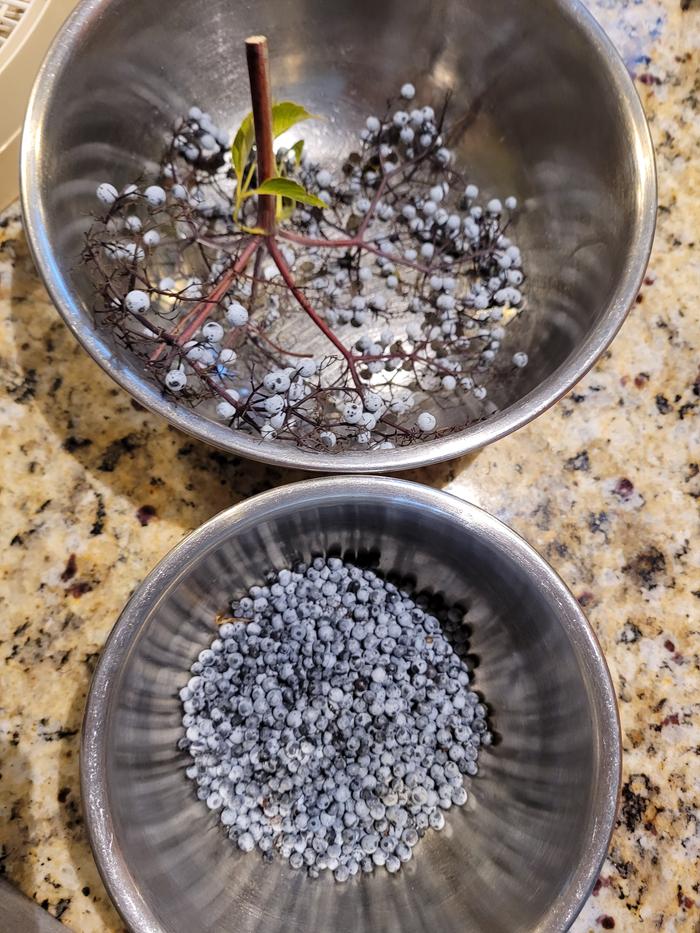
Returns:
<point x="606" y="486"/>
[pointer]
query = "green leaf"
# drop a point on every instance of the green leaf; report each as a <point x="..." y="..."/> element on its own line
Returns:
<point x="297" y="149"/>
<point x="242" y="144"/>
<point x="285" y="209"/>
<point x="288" y="188"/>
<point x="287" y="114"/>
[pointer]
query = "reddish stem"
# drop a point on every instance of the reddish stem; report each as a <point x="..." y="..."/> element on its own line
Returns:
<point x="286" y="274"/>
<point x="193" y="320"/>
<point x="352" y="243"/>
<point x="261" y="99"/>
<point x="342" y="243"/>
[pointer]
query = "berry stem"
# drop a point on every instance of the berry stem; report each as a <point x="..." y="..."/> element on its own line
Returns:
<point x="261" y="100"/>
<point x="355" y="242"/>
<point x="193" y="320"/>
<point x="286" y="274"/>
<point x="373" y="206"/>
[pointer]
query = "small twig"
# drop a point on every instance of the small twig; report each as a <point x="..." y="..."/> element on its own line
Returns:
<point x="193" y="320"/>
<point x="373" y="206"/>
<point x="256" y="332"/>
<point x="286" y="274"/>
<point x="353" y="243"/>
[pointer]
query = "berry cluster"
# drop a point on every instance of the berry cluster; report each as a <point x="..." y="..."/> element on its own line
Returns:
<point x="404" y="253"/>
<point x="331" y="720"/>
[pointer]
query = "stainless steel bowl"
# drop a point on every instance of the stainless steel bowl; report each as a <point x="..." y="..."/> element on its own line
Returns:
<point x="525" y="851"/>
<point x="558" y="123"/>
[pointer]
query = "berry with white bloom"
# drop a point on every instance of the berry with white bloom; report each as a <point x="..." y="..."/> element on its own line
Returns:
<point x="400" y="118"/>
<point x="449" y="383"/>
<point x="426" y="421"/>
<point x="328" y="439"/>
<point x="225" y="410"/>
<point x="445" y="302"/>
<point x="273" y="404"/>
<point x="151" y="238"/>
<point x="107" y="194"/>
<point x="213" y="332"/>
<point x="227" y="356"/>
<point x="323" y="178"/>
<point x="268" y="433"/>
<point x="176" y="380"/>
<point x="137" y="302"/>
<point x="296" y="391"/>
<point x="373" y="124"/>
<point x="511" y="203"/>
<point x="133" y="223"/>
<point x="520" y="359"/>
<point x="443" y="155"/>
<point x="307" y="369"/>
<point x="277" y="381"/>
<point x="408" y="91"/>
<point x="155" y="195"/>
<point x="494" y="207"/>
<point x="179" y="192"/>
<point x="199" y="354"/>
<point x="427" y="250"/>
<point x="134" y="252"/>
<point x="373" y="403"/>
<point x="352" y="413"/>
<point x="236" y="314"/>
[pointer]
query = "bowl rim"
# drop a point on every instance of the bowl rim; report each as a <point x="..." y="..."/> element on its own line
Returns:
<point x="123" y="888"/>
<point x="463" y="442"/>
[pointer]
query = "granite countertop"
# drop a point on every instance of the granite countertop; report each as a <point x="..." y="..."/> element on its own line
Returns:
<point x="606" y="485"/>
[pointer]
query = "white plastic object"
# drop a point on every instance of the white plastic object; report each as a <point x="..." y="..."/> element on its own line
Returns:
<point x="26" y="30"/>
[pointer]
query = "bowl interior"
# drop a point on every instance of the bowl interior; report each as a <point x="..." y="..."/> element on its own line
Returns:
<point x="524" y="851"/>
<point x="554" y="120"/>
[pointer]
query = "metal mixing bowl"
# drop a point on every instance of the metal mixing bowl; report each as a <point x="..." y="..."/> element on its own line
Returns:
<point x="523" y="853"/>
<point x="558" y="123"/>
